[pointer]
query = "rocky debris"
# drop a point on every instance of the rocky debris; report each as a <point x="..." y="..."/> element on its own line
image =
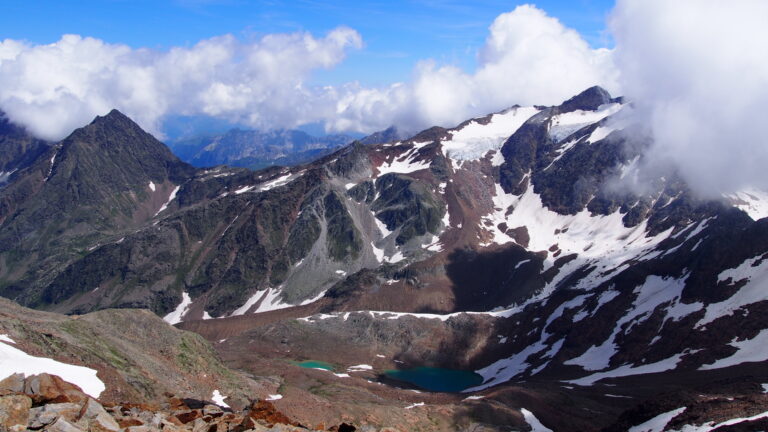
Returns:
<point x="48" y="403"/>
<point x="14" y="412"/>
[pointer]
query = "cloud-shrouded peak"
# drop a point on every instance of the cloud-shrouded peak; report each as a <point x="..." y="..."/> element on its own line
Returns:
<point x="55" y="88"/>
<point x="697" y="73"/>
<point x="528" y="58"/>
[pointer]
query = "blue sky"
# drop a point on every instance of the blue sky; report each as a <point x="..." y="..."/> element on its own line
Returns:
<point x="396" y="34"/>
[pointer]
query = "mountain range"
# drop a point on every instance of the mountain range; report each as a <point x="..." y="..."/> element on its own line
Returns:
<point x="504" y="246"/>
<point x="260" y="149"/>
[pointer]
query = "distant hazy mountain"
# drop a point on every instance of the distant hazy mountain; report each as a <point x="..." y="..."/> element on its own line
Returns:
<point x="256" y="149"/>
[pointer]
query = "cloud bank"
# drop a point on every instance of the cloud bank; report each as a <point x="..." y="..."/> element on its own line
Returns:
<point x="528" y="58"/>
<point x="53" y="89"/>
<point x="697" y="73"/>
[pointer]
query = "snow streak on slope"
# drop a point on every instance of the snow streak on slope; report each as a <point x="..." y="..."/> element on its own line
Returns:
<point x="271" y="301"/>
<point x="563" y="125"/>
<point x="475" y="140"/>
<point x="535" y="424"/>
<point x="750" y="350"/>
<point x="13" y="360"/>
<point x="170" y="198"/>
<point x="710" y="426"/>
<point x="658" y="423"/>
<point x="176" y="316"/>
<point x="628" y="370"/>
<point x="656" y="291"/>
<point x="599" y="240"/>
<point x="755" y="272"/>
<point x="405" y="163"/>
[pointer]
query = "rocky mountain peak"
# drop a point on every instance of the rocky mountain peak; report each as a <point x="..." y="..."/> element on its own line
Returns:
<point x="588" y="100"/>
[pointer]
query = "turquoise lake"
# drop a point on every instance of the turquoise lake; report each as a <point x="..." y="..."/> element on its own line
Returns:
<point x="315" y="364"/>
<point x="437" y="379"/>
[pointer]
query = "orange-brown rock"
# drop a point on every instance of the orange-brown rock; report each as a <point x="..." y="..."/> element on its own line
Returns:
<point x="266" y="411"/>
<point x="12" y="384"/>
<point x="14" y="412"/>
<point x="188" y="416"/>
<point x="45" y="389"/>
<point x="128" y="422"/>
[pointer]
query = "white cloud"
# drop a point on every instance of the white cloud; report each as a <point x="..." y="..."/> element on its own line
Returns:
<point x="55" y="88"/>
<point x="528" y="58"/>
<point x="697" y="72"/>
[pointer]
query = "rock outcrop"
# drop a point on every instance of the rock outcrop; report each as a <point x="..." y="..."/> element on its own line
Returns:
<point x="47" y="403"/>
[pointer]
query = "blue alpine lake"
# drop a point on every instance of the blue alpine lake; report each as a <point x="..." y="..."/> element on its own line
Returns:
<point x="437" y="379"/>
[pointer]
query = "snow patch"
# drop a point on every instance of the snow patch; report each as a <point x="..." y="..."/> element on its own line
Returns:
<point x="418" y="404"/>
<point x="600" y="133"/>
<point x="176" y="316"/>
<point x="274" y="397"/>
<point x="14" y="360"/>
<point x="753" y="291"/>
<point x="244" y="189"/>
<point x="403" y="164"/>
<point x="535" y="424"/>
<point x="749" y="350"/>
<point x="710" y="426"/>
<point x="628" y="370"/>
<point x="218" y="399"/>
<point x="658" y="423"/>
<point x="563" y="125"/>
<point x="654" y="292"/>
<point x="152" y="186"/>
<point x="170" y="198"/>
<point x="271" y="302"/>
<point x="752" y="201"/>
<point x="475" y="140"/>
<point x="382" y="227"/>
<point x="360" y="367"/>
<point x="279" y="181"/>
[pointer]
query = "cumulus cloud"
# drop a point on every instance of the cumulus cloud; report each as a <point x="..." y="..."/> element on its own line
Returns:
<point x="528" y="58"/>
<point x="55" y="88"/>
<point x="697" y="73"/>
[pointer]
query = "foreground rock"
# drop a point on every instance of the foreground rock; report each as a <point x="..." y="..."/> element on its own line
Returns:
<point x="46" y="402"/>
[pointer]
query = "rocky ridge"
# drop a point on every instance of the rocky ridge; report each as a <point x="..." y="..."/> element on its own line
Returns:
<point x="47" y="403"/>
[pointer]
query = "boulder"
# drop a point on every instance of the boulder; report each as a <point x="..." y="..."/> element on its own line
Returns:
<point x="95" y="418"/>
<point x="47" y="414"/>
<point x="62" y="425"/>
<point x="263" y="410"/>
<point x="12" y="384"/>
<point x="14" y="412"/>
<point x="213" y="410"/>
<point x="45" y="388"/>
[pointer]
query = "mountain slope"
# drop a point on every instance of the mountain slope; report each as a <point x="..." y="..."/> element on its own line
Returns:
<point x="101" y="181"/>
<point x="136" y="356"/>
<point x="18" y="149"/>
<point x="256" y="149"/>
